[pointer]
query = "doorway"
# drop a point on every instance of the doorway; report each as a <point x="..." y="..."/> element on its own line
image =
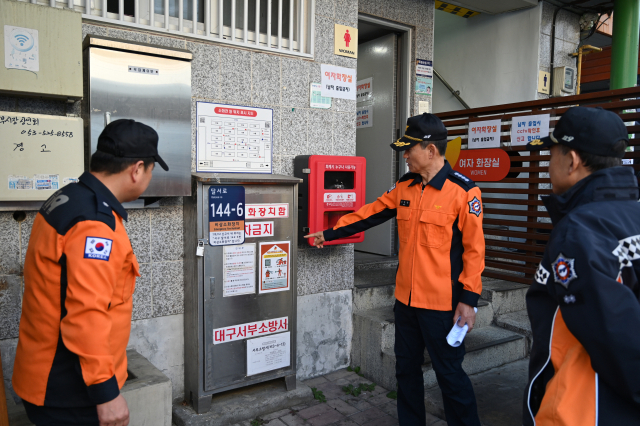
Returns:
<point x="384" y="63"/>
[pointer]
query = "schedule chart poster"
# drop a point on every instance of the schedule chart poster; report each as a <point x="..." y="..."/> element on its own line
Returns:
<point x="234" y="139"/>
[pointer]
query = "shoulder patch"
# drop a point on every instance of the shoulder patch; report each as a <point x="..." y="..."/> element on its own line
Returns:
<point x="475" y="206"/>
<point x="542" y="275"/>
<point x="628" y="250"/>
<point x="97" y="248"/>
<point x="564" y="270"/>
<point x="461" y="180"/>
<point x="392" y="188"/>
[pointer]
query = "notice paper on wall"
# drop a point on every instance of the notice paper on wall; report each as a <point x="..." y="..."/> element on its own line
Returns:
<point x="528" y="128"/>
<point x="364" y="116"/>
<point x="21" y="48"/>
<point x="484" y="134"/>
<point x="239" y="270"/>
<point x="424" y="86"/>
<point x="424" y="68"/>
<point x="364" y="90"/>
<point x="316" y="100"/>
<point x="268" y="353"/>
<point x="338" y="82"/>
<point x="274" y="266"/>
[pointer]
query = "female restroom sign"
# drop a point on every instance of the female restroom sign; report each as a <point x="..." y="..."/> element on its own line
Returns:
<point x="226" y="215"/>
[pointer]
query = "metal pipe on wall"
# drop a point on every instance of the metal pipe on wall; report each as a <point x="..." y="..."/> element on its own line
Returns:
<point x="624" y="47"/>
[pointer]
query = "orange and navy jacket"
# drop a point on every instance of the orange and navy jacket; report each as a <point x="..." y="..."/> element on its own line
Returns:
<point x="584" y="307"/>
<point x="79" y="277"/>
<point x="441" y="254"/>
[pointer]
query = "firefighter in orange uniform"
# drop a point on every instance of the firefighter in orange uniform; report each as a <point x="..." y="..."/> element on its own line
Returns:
<point x="441" y="259"/>
<point x="79" y="274"/>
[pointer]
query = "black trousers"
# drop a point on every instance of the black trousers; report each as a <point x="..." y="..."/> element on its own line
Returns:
<point x="59" y="416"/>
<point x="415" y="329"/>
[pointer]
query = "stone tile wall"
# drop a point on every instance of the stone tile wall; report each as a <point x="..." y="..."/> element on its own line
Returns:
<point x="235" y="76"/>
<point x="567" y="38"/>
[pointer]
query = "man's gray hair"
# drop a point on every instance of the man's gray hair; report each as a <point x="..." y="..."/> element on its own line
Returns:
<point x="441" y="145"/>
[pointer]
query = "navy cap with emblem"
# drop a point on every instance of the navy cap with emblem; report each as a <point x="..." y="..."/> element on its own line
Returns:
<point x="130" y="139"/>
<point x="425" y="127"/>
<point x="592" y="130"/>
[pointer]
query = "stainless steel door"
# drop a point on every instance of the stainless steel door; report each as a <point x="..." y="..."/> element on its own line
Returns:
<point x="155" y="91"/>
<point x="377" y="59"/>
<point x="225" y="364"/>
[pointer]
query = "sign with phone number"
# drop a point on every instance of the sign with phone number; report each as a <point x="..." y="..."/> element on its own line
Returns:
<point x="226" y="215"/>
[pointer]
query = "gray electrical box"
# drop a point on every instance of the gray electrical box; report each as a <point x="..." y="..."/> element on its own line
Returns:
<point x="150" y="84"/>
<point x="564" y="81"/>
<point x="45" y="48"/>
<point x="240" y="252"/>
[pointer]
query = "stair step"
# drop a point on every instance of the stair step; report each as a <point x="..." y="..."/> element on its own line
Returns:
<point x="505" y="296"/>
<point x="365" y="261"/>
<point x="516" y="321"/>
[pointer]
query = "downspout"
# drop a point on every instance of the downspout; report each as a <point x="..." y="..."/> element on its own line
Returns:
<point x="624" y="46"/>
<point x="553" y="48"/>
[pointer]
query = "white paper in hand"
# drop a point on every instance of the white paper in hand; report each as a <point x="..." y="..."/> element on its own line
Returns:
<point x="457" y="333"/>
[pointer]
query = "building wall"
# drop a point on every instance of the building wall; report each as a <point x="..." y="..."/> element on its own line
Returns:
<point x="490" y="59"/>
<point x="241" y="77"/>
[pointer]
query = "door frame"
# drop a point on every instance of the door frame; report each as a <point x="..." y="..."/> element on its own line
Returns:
<point x="404" y="77"/>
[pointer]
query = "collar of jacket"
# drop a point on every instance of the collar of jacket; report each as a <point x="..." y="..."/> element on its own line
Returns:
<point x="611" y="184"/>
<point x="104" y="198"/>
<point x="438" y="180"/>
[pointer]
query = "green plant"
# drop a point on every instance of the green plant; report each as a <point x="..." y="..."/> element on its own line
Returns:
<point x="318" y="394"/>
<point x="355" y="391"/>
<point x="392" y="395"/>
<point x="349" y="368"/>
<point x="257" y="422"/>
<point x="368" y="387"/>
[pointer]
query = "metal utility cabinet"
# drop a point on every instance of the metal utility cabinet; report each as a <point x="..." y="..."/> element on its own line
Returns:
<point x="240" y="245"/>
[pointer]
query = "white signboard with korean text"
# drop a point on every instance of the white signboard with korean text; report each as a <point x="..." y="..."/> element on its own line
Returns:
<point x="338" y="82"/>
<point x="250" y="329"/>
<point x="528" y="128"/>
<point x="258" y="229"/>
<point x="424" y="68"/>
<point x="268" y="353"/>
<point x="364" y="90"/>
<point x="484" y="134"/>
<point x="239" y="266"/>
<point x="267" y="211"/>
<point x="364" y="116"/>
<point x="274" y="266"/>
<point x="233" y="139"/>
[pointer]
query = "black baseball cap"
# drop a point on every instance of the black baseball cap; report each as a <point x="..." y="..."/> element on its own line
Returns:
<point x="425" y="127"/>
<point x="592" y="130"/>
<point x="130" y="139"/>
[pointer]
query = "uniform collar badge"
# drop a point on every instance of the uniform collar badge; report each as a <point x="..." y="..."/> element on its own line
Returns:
<point x="564" y="270"/>
<point x="475" y="206"/>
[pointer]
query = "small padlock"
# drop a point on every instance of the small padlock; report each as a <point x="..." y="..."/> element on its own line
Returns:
<point x="200" y="249"/>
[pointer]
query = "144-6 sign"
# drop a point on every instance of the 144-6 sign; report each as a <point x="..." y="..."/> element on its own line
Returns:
<point x="226" y="215"/>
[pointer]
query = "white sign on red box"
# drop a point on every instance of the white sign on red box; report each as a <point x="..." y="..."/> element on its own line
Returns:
<point x="250" y="329"/>
<point x="267" y="211"/>
<point x="339" y="197"/>
<point x="340" y="166"/>
<point x="258" y="229"/>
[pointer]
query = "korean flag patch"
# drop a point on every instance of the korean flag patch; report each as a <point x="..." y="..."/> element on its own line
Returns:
<point x="564" y="270"/>
<point x="97" y="248"/>
<point x="475" y="206"/>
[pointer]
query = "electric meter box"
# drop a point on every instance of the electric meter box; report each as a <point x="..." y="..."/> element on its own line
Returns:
<point x="332" y="187"/>
<point x="39" y="154"/>
<point x="564" y="81"/>
<point x="240" y="295"/>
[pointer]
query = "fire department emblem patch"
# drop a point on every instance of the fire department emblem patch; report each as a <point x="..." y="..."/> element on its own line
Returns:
<point x="475" y="206"/>
<point x="564" y="270"/>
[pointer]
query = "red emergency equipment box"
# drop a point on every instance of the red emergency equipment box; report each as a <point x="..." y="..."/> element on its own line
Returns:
<point x="333" y="186"/>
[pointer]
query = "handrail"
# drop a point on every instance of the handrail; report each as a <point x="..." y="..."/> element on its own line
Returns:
<point x="455" y="93"/>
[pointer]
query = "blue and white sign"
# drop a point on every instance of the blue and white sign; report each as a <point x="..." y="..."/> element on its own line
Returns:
<point x="424" y="68"/>
<point x="364" y="116"/>
<point x="226" y="215"/>
<point x="21" y="48"/>
<point x="529" y="128"/>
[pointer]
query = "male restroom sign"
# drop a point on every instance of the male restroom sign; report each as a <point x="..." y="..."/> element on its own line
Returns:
<point x="346" y="41"/>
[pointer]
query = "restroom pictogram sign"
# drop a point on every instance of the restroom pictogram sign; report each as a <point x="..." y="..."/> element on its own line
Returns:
<point x="346" y="41"/>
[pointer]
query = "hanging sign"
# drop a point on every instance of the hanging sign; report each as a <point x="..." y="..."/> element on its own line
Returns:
<point x="424" y="68"/>
<point x="528" y="128"/>
<point x="338" y="82"/>
<point x="268" y="353"/>
<point x="239" y="267"/>
<point x="345" y="41"/>
<point x="364" y="90"/>
<point x="226" y="215"/>
<point x="364" y="117"/>
<point x="274" y="266"/>
<point x="483" y="165"/>
<point x="484" y="134"/>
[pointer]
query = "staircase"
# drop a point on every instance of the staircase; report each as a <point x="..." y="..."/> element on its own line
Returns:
<point x="501" y="334"/>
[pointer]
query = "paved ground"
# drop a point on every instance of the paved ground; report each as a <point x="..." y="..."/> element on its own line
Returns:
<point x="498" y="392"/>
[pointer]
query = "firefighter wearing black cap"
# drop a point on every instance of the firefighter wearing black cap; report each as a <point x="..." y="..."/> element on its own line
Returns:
<point x="441" y="258"/>
<point x="79" y="278"/>
<point x="584" y="301"/>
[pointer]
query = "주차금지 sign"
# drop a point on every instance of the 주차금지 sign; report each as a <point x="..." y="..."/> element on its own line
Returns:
<point x="483" y="165"/>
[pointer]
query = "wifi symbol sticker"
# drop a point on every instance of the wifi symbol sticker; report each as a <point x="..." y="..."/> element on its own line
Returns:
<point x="21" y="48"/>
